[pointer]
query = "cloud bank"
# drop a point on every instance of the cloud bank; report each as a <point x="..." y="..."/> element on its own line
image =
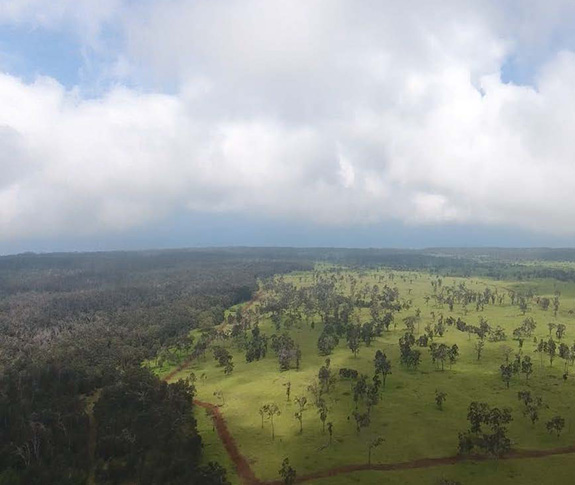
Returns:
<point x="335" y="112"/>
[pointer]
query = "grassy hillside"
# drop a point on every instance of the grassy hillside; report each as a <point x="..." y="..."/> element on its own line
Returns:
<point x="406" y="417"/>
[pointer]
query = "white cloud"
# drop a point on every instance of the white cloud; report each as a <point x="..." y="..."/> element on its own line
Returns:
<point x="333" y="111"/>
<point x="86" y="16"/>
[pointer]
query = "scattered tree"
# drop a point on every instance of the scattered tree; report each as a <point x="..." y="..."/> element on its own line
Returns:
<point x="271" y="411"/>
<point x="325" y="377"/>
<point x="301" y="401"/>
<point x="551" y="327"/>
<point x="506" y="373"/>
<point x="479" y="348"/>
<point x="439" y="354"/>
<point x="373" y="444"/>
<point x="323" y="412"/>
<point x="326" y="343"/>
<point x="362" y="420"/>
<point x="551" y="350"/>
<point x="287" y="385"/>
<point x="555" y="305"/>
<point x="257" y="347"/>
<point x="382" y="365"/>
<point x="555" y="424"/>
<point x="496" y="443"/>
<point x="360" y="389"/>
<point x="440" y="398"/>
<point x="353" y="338"/>
<point x="527" y="367"/>
<point x="531" y="404"/>
<point x="287" y="472"/>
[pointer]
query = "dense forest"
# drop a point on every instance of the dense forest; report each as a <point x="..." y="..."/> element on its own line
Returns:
<point x="76" y="405"/>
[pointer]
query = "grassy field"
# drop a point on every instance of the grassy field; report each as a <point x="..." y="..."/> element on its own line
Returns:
<point x="556" y="470"/>
<point x="406" y="417"/>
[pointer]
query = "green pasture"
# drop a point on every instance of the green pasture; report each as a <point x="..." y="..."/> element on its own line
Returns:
<point x="406" y="417"/>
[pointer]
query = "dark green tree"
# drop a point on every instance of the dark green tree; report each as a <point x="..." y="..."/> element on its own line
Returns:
<point x="382" y="365"/>
<point x="527" y="367"/>
<point x="440" y="398"/>
<point x="555" y="425"/>
<point x="353" y="338"/>
<point x="506" y="373"/>
<point x="326" y="343"/>
<point x="287" y="472"/>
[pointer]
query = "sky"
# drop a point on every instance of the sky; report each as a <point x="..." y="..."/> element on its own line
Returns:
<point x="128" y="124"/>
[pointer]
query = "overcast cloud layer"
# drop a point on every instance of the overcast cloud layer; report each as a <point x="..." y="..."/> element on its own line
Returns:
<point x="336" y="112"/>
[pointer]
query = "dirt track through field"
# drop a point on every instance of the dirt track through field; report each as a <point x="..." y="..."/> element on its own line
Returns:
<point x="243" y="468"/>
<point x="248" y="477"/>
<point x="423" y="463"/>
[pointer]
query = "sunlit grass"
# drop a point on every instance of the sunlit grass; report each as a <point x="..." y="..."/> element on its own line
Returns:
<point x="407" y="417"/>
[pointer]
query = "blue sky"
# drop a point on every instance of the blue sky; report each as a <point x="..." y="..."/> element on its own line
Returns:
<point x="32" y="52"/>
<point x="196" y="123"/>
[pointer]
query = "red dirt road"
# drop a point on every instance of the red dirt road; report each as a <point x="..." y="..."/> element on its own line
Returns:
<point x="184" y="365"/>
<point x="425" y="463"/>
<point x="248" y="477"/>
<point x="243" y="468"/>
